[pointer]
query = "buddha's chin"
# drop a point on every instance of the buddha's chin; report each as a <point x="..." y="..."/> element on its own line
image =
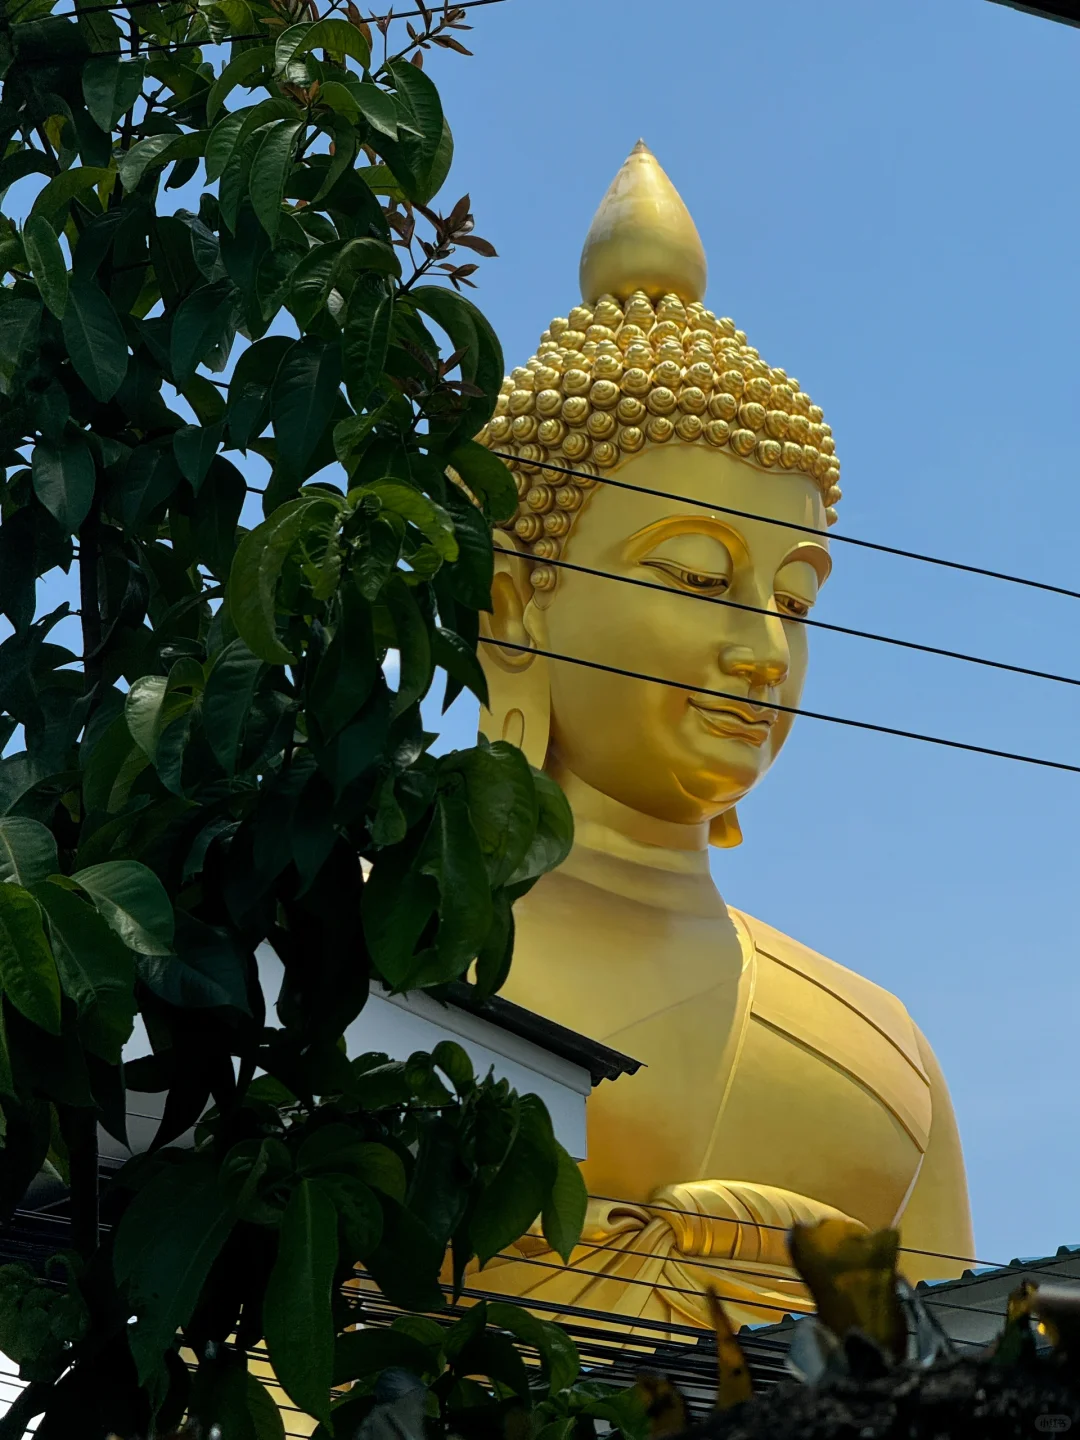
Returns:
<point x="723" y="776"/>
<point x="720" y="769"/>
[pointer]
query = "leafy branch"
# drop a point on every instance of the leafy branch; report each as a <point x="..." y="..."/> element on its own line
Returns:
<point x="204" y="289"/>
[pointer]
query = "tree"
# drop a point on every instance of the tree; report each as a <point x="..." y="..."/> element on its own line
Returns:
<point x="207" y="769"/>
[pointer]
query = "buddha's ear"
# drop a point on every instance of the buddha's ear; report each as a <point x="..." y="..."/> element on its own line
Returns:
<point x="725" y="832"/>
<point x="518" y="692"/>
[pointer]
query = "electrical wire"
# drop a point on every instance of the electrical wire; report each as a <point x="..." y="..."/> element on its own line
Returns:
<point x="687" y="1290"/>
<point x="787" y="709"/>
<point x="763" y="1225"/>
<point x="123" y="6"/>
<point x="804" y="529"/>
<point x="209" y="40"/>
<point x="803" y="620"/>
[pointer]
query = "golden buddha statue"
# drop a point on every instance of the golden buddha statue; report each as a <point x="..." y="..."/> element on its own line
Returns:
<point x="778" y="1086"/>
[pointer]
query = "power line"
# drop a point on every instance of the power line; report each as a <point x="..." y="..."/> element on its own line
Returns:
<point x="755" y="1304"/>
<point x="700" y="1263"/>
<point x="803" y="620"/>
<point x="804" y="529"/>
<point x="171" y="45"/>
<point x="762" y="1225"/>
<point x="787" y="709"/>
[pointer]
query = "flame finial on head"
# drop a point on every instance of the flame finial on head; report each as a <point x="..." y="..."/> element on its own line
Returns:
<point x="642" y="238"/>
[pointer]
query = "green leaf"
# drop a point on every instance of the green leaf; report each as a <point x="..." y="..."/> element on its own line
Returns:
<point x="516" y="1195"/>
<point x="564" y="1209"/>
<point x="239" y="69"/>
<point x="54" y="198"/>
<point x="365" y="338"/>
<point x="202" y="324"/>
<point x="365" y="253"/>
<point x="208" y="971"/>
<point x="97" y="971"/>
<point x="360" y="1353"/>
<point x="481" y="363"/>
<point x="304" y="394"/>
<point x="413" y="156"/>
<point x="27" y="851"/>
<point x="252" y="589"/>
<point x="457" y="657"/>
<point x="503" y="804"/>
<point x="154" y="151"/>
<point x="310" y="282"/>
<point x="417" y="509"/>
<point x="376" y="107"/>
<point x="227" y="1401"/>
<point x="194" y="447"/>
<point x="382" y="1169"/>
<point x="455" y="1064"/>
<point x="64" y="479"/>
<point x="249" y="388"/>
<point x="220" y="145"/>
<point x="297" y="1318"/>
<point x="164" y="1246"/>
<point x="451" y="855"/>
<point x="487" y="477"/>
<point x="230" y="689"/>
<point x="413" y="644"/>
<point x="270" y="169"/>
<point x="47" y="263"/>
<point x="339" y="37"/>
<point x="495" y="1357"/>
<point x="95" y="339"/>
<point x="346" y="672"/>
<point x="110" y="88"/>
<point x="19" y="324"/>
<point x="558" y="1354"/>
<point x="339" y="98"/>
<point x="27" y="970"/>
<point x="552" y="839"/>
<point x="132" y="901"/>
<point x="155" y="716"/>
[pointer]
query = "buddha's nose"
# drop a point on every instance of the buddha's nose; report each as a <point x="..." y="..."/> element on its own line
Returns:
<point x="761" y="668"/>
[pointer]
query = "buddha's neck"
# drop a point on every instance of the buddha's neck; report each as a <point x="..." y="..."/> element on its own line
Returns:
<point x="628" y="853"/>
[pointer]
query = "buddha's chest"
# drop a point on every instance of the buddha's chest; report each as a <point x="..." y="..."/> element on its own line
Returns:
<point x="754" y="1069"/>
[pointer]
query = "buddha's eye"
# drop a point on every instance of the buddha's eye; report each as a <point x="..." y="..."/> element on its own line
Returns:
<point x="795" y="588"/>
<point x="695" y="580"/>
<point x="792" y="605"/>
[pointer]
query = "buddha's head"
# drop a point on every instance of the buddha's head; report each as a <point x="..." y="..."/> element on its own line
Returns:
<point x="663" y="411"/>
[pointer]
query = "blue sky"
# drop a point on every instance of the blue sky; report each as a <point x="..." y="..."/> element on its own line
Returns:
<point x="889" y="200"/>
<point x="888" y="196"/>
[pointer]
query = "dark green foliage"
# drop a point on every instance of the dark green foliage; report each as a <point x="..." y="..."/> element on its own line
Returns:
<point x="210" y="764"/>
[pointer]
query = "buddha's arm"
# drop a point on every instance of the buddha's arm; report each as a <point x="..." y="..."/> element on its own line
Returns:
<point x="937" y="1216"/>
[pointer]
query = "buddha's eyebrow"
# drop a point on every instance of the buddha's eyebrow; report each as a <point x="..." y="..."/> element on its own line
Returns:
<point x="712" y="527"/>
<point x="810" y="553"/>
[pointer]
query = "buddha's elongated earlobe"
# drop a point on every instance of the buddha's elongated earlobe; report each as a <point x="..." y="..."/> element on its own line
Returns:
<point x="518" y="683"/>
<point x="725" y="832"/>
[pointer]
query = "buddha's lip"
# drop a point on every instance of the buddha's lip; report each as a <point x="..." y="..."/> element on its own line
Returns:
<point x="736" y="718"/>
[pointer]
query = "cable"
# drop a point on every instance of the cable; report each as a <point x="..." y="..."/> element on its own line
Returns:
<point x="703" y="1264"/>
<point x="787" y="709"/>
<point x="172" y="45"/>
<point x="685" y="1290"/>
<point x="123" y="6"/>
<point x="803" y="620"/>
<point x="804" y="529"/>
<point x="763" y="1225"/>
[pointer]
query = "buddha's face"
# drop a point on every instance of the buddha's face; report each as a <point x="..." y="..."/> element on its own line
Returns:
<point x="681" y="755"/>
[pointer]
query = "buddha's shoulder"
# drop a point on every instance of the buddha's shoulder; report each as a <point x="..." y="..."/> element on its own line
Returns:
<point x="792" y="977"/>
